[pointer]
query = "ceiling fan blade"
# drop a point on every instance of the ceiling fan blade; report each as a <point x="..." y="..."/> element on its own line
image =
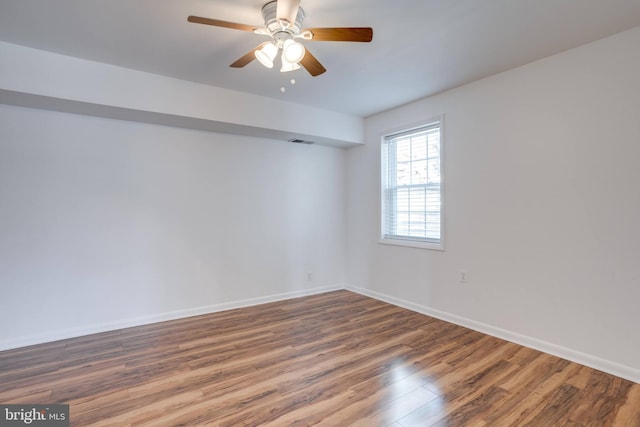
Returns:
<point x="311" y="64"/>
<point x="342" y="34"/>
<point x="248" y="57"/>
<point x="218" y="23"/>
<point x="287" y="10"/>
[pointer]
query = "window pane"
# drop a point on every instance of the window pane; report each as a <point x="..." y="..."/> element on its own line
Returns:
<point x="402" y="199"/>
<point x="419" y="172"/>
<point x="402" y="224"/>
<point x="417" y="224"/>
<point x="418" y="198"/>
<point x="433" y="225"/>
<point x="434" y="145"/>
<point x="433" y="171"/>
<point x="419" y="147"/>
<point x="403" y="173"/>
<point x="433" y="199"/>
<point x="403" y="150"/>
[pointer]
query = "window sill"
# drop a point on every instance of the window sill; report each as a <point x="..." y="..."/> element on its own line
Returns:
<point x="413" y="244"/>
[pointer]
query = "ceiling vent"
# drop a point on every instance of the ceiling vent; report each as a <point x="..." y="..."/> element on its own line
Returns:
<point x="300" y="141"/>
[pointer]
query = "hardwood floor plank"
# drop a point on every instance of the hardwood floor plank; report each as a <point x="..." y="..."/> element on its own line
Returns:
<point x="425" y="415"/>
<point x="473" y="410"/>
<point x="535" y="394"/>
<point x="629" y="413"/>
<point x="35" y="395"/>
<point x="333" y="359"/>
<point x="557" y="407"/>
<point x="596" y="406"/>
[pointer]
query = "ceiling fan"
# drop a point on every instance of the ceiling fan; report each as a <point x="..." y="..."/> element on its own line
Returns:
<point x="283" y="24"/>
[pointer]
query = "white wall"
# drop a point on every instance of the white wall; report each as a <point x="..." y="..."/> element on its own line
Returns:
<point x="107" y="223"/>
<point x="542" y="187"/>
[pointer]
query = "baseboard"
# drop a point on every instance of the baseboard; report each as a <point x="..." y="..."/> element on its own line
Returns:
<point x="591" y="361"/>
<point x="50" y="336"/>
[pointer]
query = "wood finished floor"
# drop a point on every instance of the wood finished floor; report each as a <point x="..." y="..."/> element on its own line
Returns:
<point x="336" y="359"/>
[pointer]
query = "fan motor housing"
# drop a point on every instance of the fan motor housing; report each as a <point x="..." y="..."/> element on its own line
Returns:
<point x="269" y="13"/>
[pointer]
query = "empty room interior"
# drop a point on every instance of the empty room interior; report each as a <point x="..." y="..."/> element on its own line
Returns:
<point x="373" y="213"/>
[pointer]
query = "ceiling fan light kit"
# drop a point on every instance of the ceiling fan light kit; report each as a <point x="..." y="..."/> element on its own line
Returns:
<point x="283" y="23"/>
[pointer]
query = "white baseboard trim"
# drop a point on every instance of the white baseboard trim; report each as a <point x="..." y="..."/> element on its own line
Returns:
<point x="591" y="361"/>
<point x="57" y="335"/>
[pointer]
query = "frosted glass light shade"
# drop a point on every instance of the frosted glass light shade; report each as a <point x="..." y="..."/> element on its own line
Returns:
<point x="288" y="66"/>
<point x="267" y="54"/>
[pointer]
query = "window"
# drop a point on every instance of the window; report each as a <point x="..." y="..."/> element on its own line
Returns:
<point x="412" y="187"/>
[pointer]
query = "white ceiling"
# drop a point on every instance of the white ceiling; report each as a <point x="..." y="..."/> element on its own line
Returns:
<point x="419" y="48"/>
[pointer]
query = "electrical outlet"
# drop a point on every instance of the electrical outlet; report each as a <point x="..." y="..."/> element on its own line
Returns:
<point x="463" y="276"/>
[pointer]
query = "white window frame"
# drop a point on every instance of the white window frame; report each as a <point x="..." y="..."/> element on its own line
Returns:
<point x="411" y="242"/>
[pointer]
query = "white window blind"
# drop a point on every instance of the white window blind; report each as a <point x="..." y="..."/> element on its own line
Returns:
<point x="411" y="186"/>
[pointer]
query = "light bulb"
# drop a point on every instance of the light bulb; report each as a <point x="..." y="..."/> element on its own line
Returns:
<point x="293" y="51"/>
